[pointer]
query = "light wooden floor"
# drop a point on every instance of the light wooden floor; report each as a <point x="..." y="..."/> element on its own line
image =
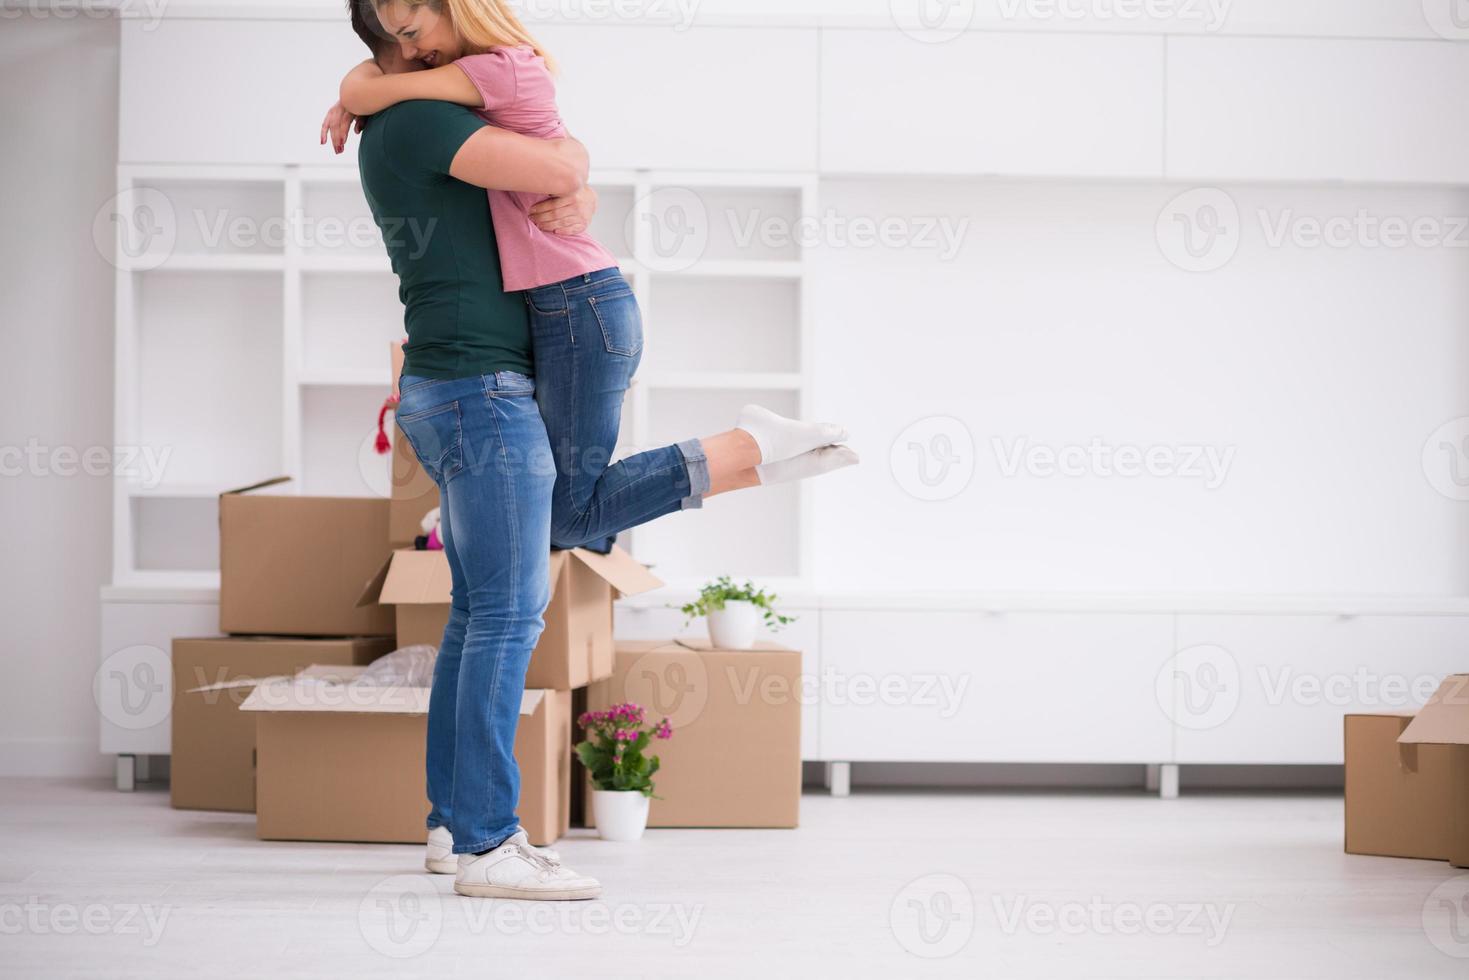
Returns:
<point x="97" y="883"/>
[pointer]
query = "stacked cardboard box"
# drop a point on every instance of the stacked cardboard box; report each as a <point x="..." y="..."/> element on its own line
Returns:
<point x="1407" y="779"/>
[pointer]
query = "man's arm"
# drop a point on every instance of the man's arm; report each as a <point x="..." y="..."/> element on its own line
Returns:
<point x="506" y="161"/>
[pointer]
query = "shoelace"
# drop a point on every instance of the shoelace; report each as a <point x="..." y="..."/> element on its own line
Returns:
<point x="545" y="865"/>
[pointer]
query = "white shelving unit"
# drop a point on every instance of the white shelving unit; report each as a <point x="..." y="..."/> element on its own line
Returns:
<point x="253" y="306"/>
<point x="252" y="320"/>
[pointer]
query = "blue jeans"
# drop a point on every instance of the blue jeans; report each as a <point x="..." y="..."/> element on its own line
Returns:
<point x="588" y="339"/>
<point x="482" y="441"/>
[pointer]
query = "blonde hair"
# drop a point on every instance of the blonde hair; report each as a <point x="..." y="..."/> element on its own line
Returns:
<point x="484" y="24"/>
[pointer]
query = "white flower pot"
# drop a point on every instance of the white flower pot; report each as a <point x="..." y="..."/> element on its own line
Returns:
<point x="620" y="814"/>
<point x="735" y="626"/>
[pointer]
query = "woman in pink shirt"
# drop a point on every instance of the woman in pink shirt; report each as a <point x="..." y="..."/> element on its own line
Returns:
<point x="586" y="325"/>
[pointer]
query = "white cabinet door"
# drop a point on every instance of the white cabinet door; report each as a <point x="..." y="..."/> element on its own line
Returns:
<point x="230" y="91"/>
<point x="1030" y="104"/>
<point x="1274" y="689"/>
<point x="713" y="99"/>
<point x="648" y="622"/>
<point x="133" y="686"/>
<point x="1301" y="109"/>
<point x="981" y="687"/>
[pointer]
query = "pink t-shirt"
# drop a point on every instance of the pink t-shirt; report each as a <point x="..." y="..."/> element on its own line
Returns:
<point x="520" y="96"/>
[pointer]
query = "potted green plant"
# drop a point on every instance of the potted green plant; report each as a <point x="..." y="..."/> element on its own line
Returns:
<point x="622" y="775"/>
<point x="735" y="613"/>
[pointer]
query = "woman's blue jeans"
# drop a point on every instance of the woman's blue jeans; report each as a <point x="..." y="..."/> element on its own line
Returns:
<point x="588" y="339"/>
<point x="482" y="441"/>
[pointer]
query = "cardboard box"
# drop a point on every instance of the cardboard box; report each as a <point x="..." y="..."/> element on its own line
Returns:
<point x="296" y="566"/>
<point x="735" y="756"/>
<point x="213" y="761"/>
<point x="576" y="647"/>
<point x="1407" y="779"/>
<point x="414" y="494"/>
<point x="337" y="763"/>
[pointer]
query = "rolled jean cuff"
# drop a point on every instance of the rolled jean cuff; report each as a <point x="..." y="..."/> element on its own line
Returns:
<point x="698" y="467"/>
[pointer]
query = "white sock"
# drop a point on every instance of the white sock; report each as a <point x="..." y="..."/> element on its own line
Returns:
<point x="807" y="465"/>
<point x="781" y="438"/>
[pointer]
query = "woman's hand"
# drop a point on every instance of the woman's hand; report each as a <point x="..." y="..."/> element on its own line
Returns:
<point x="338" y="124"/>
<point x="568" y="215"/>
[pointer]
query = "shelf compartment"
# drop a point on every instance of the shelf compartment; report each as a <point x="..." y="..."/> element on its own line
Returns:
<point x="211" y="219"/>
<point x="347" y="323"/>
<point x="336" y="221"/>
<point x="338" y="431"/>
<point x="208" y="382"/>
<point x="729" y="224"/>
<point x="612" y="225"/>
<point x="175" y="534"/>
<point x="724" y="325"/>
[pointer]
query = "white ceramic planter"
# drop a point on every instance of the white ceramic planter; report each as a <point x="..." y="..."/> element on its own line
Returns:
<point x="735" y="626"/>
<point x="620" y="814"/>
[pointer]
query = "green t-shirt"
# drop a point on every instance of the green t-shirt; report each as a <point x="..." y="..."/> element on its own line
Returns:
<point x="459" y="318"/>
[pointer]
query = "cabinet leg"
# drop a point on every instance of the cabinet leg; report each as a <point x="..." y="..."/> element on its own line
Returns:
<point x="1168" y="782"/>
<point x="126" y="773"/>
<point x="839" y="778"/>
<point x="1150" y="778"/>
<point x="143" y="768"/>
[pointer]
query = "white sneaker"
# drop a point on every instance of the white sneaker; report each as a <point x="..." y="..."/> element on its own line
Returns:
<point x="517" y="870"/>
<point x="441" y="859"/>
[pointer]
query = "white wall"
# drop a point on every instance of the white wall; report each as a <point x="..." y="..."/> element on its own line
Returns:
<point x="56" y="171"/>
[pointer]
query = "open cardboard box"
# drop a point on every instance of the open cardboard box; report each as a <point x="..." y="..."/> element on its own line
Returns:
<point x="735" y="756"/>
<point x="1407" y="779"/>
<point x="213" y="762"/>
<point x="336" y="762"/>
<point x="295" y="566"/>
<point x="576" y="647"/>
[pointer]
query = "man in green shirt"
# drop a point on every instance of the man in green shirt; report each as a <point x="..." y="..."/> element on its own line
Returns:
<point x="467" y="406"/>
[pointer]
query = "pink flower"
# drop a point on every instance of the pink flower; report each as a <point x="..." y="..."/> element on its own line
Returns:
<point x="623" y="735"/>
<point x="663" y="730"/>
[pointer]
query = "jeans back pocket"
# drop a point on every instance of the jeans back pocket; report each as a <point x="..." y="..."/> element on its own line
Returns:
<point x="437" y="438"/>
<point x="621" y="321"/>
